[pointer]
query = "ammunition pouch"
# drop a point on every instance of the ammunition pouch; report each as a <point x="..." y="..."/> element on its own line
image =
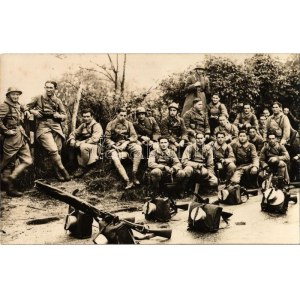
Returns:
<point x="159" y="209"/>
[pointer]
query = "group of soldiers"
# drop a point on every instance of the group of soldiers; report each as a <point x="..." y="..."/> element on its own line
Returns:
<point x="201" y="143"/>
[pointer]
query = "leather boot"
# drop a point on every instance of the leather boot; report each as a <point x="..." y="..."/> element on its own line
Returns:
<point x="10" y="190"/>
<point x="129" y="185"/>
<point x="65" y="174"/>
<point x="58" y="176"/>
<point x="135" y="180"/>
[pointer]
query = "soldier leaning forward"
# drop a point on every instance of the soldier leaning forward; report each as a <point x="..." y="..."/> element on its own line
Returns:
<point x="49" y="112"/>
<point x="16" y="142"/>
<point x="174" y="129"/>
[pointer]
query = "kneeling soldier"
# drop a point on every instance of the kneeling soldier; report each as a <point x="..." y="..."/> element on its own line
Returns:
<point x="197" y="159"/>
<point x="223" y="157"/>
<point x="16" y="142"/>
<point x="121" y="139"/>
<point x="86" y="140"/>
<point x="247" y="161"/>
<point x="274" y="157"/>
<point x="163" y="162"/>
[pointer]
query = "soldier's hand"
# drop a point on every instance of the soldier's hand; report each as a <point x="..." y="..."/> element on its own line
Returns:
<point x="123" y="146"/>
<point x="253" y="170"/>
<point x="145" y="138"/>
<point x="36" y="113"/>
<point x="10" y="132"/>
<point x="167" y="169"/>
<point x="77" y="144"/>
<point x="27" y="113"/>
<point x="181" y="143"/>
<point x="282" y="142"/>
<point x="56" y="115"/>
<point x="296" y="157"/>
<point x="72" y="143"/>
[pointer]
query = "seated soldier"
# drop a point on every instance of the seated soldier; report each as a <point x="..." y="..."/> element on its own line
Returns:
<point x="163" y="162"/>
<point x="174" y="129"/>
<point x="246" y="119"/>
<point x="147" y="131"/>
<point x="230" y="130"/>
<point x="223" y="157"/>
<point x="255" y="139"/>
<point x="196" y="120"/>
<point x="197" y="159"/>
<point x="214" y="109"/>
<point x="274" y="158"/>
<point x="247" y="161"/>
<point x="121" y="141"/>
<point x="86" y="140"/>
<point x="262" y="127"/>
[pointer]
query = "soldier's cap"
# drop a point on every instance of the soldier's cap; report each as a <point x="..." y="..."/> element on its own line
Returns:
<point x="13" y="90"/>
<point x="274" y="197"/>
<point x="140" y="110"/>
<point x="197" y="214"/>
<point x="196" y="100"/>
<point x="200" y="66"/>
<point x="173" y="105"/>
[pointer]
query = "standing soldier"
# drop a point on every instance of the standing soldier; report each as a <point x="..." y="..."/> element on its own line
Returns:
<point x="49" y="112"/>
<point x="224" y="158"/>
<point x="255" y="139"/>
<point x="121" y="138"/>
<point x="147" y="130"/>
<point x="16" y="142"/>
<point x="196" y="120"/>
<point x="230" y="130"/>
<point x="198" y="159"/>
<point x="174" y="129"/>
<point x="197" y="86"/>
<point x="262" y="127"/>
<point x="274" y="157"/>
<point x="247" y="161"/>
<point x="163" y="162"/>
<point x="214" y="109"/>
<point x="86" y="140"/>
<point x="279" y="124"/>
<point x="246" y="119"/>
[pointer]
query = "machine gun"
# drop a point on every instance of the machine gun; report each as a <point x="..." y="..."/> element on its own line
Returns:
<point x="109" y="224"/>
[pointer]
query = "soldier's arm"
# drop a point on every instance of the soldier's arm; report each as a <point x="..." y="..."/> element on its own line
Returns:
<point x="74" y="134"/>
<point x="184" y="133"/>
<point x="3" y="112"/>
<point x="255" y="121"/>
<point x="186" y="158"/>
<point x="231" y="157"/>
<point x="187" y="120"/>
<point x="209" y="159"/>
<point x="97" y="133"/>
<point x="206" y="124"/>
<point x="108" y="133"/>
<point x="254" y="156"/>
<point x="234" y="131"/>
<point x="237" y="120"/>
<point x="286" y="130"/>
<point x="176" y="165"/>
<point x="156" y="130"/>
<point x="284" y="155"/>
<point x="152" y="164"/>
<point x="207" y="87"/>
<point x="33" y="104"/>
<point x="133" y="136"/>
<point x="263" y="157"/>
<point x="189" y="86"/>
<point x="224" y="110"/>
<point x="62" y="110"/>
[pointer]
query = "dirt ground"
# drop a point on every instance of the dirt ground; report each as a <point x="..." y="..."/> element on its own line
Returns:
<point x="248" y="225"/>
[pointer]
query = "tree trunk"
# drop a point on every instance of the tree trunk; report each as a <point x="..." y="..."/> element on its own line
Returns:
<point x="123" y="77"/>
<point x="75" y="108"/>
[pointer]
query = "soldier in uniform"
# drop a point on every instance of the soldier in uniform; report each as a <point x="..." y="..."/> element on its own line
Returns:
<point x="85" y="139"/>
<point x="230" y="130"/>
<point x="196" y="120"/>
<point x="49" y="112"/>
<point x="279" y="124"/>
<point x="147" y="131"/>
<point x="224" y="158"/>
<point x="121" y="140"/>
<point x="262" y="127"/>
<point x="246" y="119"/>
<point x="197" y="86"/>
<point x="247" y="160"/>
<point x="163" y="162"/>
<point x="274" y="157"/>
<point x="294" y="152"/>
<point x="295" y="123"/>
<point x="198" y="159"/>
<point x="214" y="109"/>
<point x="16" y="142"/>
<point x="174" y="129"/>
<point x="266" y="113"/>
<point x="255" y="139"/>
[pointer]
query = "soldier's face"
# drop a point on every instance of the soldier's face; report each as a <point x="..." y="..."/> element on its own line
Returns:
<point x="198" y="106"/>
<point x="215" y="99"/>
<point x="243" y="138"/>
<point x="286" y="111"/>
<point x="252" y="133"/>
<point x="266" y="113"/>
<point x="262" y="120"/>
<point x="246" y="109"/>
<point x="122" y="116"/>
<point x="220" y="139"/>
<point x="272" y="140"/>
<point x="14" y="96"/>
<point x="50" y="89"/>
<point x="87" y="118"/>
<point x="199" y="71"/>
<point x="141" y="117"/>
<point x="200" y="139"/>
<point x="172" y="112"/>
<point x="276" y="109"/>
<point x="164" y="144"/>
<point x="222" y="121"/>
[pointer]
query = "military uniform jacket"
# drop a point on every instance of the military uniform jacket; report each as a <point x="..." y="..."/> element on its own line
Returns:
<point x="174" y="129"/>
<point x="198" y="122"/>
<point x="159" y="159"/>
<point x="244" y="119"/>
<point x="148" y="127"/>
<point x="118" y="132"/>
<point x="223" y="152"/>
<point x="194" y="155"/>
<point x="48" y="106"/>
<point x="280" y="125"/>
<point x="229" y="129"/>
<point x="262" y="129"/>
<point x="89" y="133"/>
<point x="216" y="110"/>
<point x="245" y="154"/>
<point x="204" y="87"/>
<point x="276" y="151"/>
<point x="257" y="142"/>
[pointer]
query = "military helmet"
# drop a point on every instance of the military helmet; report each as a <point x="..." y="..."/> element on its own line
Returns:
<point x="173" y="105"/>
<point x="200" y="66"/>
<point x="13" y="89"/>
<point x="140" y="110"/>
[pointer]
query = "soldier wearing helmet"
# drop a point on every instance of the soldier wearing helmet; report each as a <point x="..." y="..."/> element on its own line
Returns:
<point x="197" y="86"/>
<point x="16" y="142"/>
<point x="174" y="128"/>
<point x="147" y="130"/>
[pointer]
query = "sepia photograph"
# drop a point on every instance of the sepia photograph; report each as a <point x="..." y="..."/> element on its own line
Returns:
<point x="150" y="149"/>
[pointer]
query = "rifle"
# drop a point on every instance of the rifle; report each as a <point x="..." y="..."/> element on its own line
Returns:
<point x="103" y="218"/>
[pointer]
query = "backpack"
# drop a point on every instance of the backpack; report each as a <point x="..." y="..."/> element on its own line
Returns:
<point x="232" y="195"/>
